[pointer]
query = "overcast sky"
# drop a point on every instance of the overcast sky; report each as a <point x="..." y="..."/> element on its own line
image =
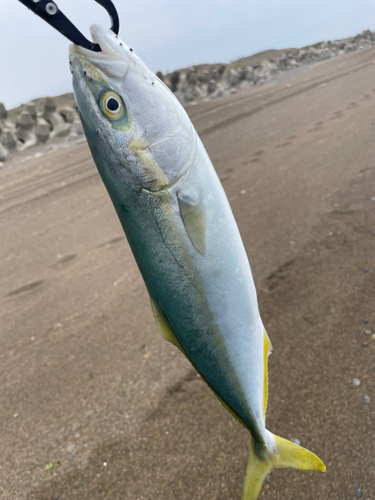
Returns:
<point x="167" y="34"/>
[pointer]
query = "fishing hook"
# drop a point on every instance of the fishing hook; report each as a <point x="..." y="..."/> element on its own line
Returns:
<point x="49" y="11"/>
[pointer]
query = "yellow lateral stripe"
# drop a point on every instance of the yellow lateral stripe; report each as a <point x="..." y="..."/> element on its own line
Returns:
<point x="266" y="346"/>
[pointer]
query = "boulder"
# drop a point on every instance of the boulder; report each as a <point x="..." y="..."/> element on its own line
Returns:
<point x="69" y="114"/>
<point x="220" y="70"/>
<point x="159" y="74"/>
<point x="189" y="95"/>
<point x="72" y="137"/>
<point x="25" y="130"/>
<point x="61" y="130"/>
<point x="42" y="130"/>
<point x="77" y="128"/>
<point x="32" y="109"/>
<point x="174" y="80"/>
<point x="3" y="112"/>
<point x="232" y="77"/>
<point x="250" y="74"/>
<point x="3" y="153"/>
<point x="49" y="113"/>
<point x="191" y="76"/>
<point x="9" y="140"/>
<point x="350" y="47"/>
<point x="218" y="93"/>
<point x="211" y="86"/>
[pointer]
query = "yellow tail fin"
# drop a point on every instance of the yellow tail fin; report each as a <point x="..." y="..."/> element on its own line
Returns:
<point x="288" y="455"/>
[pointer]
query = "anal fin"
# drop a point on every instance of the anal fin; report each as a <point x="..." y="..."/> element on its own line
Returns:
<point x="163" y="326"/>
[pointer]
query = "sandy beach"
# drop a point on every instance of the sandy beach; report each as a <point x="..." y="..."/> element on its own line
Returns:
<point x="93" y="403"/>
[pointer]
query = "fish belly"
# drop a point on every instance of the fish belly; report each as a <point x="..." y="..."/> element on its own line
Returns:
<point x="190" y="253"/>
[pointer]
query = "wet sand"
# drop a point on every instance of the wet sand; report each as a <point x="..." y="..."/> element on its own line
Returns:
<point x="93" y="404"/>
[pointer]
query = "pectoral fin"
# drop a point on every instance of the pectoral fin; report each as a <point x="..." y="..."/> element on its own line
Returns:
<point x="163" y="326"/>
<point x="193" y="218"/>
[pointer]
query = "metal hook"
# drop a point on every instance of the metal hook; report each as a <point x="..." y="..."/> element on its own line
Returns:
<point x="49" y="11"/>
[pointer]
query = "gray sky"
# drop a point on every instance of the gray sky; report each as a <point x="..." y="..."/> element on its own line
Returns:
<point x="167" y="34"/>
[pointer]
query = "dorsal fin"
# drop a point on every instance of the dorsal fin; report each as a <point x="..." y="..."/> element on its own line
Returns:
<point x="267" y="349"/>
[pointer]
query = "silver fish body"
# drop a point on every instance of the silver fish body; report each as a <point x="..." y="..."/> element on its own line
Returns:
<point x="182" y="232"/>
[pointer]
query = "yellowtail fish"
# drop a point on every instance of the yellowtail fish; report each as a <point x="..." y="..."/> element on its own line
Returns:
<point x="184" y="238"/>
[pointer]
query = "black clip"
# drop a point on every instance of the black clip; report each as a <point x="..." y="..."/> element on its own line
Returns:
<point x="48" y="10"/>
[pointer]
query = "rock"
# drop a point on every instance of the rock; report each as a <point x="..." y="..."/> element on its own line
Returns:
<point x="159" y="74"/>
<point x="212" y="86"/>
<point x="25" y="120"/>
<point x="358" y="493"/>
<point x="77" y="128"/>
<point x="49" y="113"/>
<point x="49" y="104"/>
<point x="204" y="77"/>
<point x="3" y="112"/>
<point x="69" y="114"/>
<point x="245" y="85"/>
<point x="42" y="130"/>
<point x="72" y="137"/>
<point x="220" y="70"/>
<point x="350" y="47"/>
<point x="367" y="399"/>
<point x="189" y="95"/>
<point x="32" y="109"/>
<point x="232" y="77"/>
<point x="3" y="153"/>
<point x="9" y="140"/>
<point x="356" y="382"/>
<point x="61" y="130"/>
<point x="250" y="74"/>
<point x="174" y="80"/>
<point x="191" y="76"/>
<point x="25" y="130"/>
<point x="218" y="93"/>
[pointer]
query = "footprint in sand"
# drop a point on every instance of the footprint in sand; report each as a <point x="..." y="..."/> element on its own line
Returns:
<point x="26" y="288"/>
<point x="111" y="242"/>
<point x="338" y="114"/>
<point x="64" y="260"/>
<point x="353" y="105"/>
<point x="318" y="126"/>
<point x="225" y="179"/>
<point x="366" y="97"/>
<point x="287" y="142"/>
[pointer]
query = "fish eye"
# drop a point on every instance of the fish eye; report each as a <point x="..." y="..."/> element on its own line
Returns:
<point x="111" y="105"/>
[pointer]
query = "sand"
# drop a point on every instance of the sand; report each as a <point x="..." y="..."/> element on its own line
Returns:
<point x="93" y="404"/>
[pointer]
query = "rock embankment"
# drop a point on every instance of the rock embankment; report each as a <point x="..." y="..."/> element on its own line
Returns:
<point x="216" y="80"/>
<point x="36" y="124"/>
<point x="42" y="121"/>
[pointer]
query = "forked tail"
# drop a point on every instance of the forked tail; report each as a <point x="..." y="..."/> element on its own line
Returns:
<point x="288" y="454"/>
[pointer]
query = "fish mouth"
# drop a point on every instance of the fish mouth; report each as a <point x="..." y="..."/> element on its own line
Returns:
<point x="114" y="58"/>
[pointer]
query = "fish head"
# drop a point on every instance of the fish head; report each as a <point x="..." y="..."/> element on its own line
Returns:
<point x="138" y="132"/>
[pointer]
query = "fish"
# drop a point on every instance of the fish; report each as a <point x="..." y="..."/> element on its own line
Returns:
<point x="185" y="240"/>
